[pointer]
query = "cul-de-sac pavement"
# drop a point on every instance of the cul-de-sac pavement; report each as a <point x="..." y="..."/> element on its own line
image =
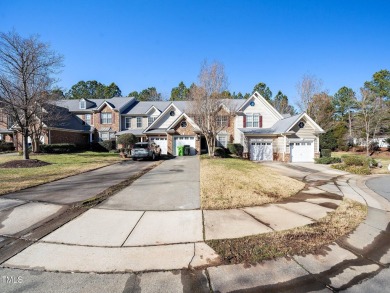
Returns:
<point x="150" y="236"/>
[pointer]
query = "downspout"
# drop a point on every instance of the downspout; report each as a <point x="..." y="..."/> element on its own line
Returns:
<point x="49" y="136"/>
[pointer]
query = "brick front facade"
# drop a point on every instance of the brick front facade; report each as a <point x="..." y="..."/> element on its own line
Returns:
<point x="115" y="119"/>
<point x="189" y="130"/>
<point x="58" y="136"/>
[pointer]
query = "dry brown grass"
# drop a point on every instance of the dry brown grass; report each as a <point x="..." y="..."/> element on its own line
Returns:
<point x="302" y="240"/>
<point x="64" y="165"/>
<point x="232" y="183"/>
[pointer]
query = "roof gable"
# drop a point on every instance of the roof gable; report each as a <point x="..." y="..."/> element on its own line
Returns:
<point x="264" y="102"/>
<point x="188" y="119"/>
<point x="163" y="115"/>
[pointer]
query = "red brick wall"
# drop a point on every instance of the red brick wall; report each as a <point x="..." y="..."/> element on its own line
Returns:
<point x="186" y="131"/>
<point x="115" y="119"/>
<point x="58" y="136"/>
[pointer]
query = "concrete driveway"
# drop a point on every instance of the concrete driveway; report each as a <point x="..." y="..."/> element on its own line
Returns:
<point x="155" y="190"/>
<point x="82" y="186"/>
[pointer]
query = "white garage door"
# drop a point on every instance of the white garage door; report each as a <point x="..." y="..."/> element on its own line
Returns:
<point x="182" y="141"/>
<point x="261" y="151"/>
<point x="162" y="142"/>
<point x="302" y="151"/>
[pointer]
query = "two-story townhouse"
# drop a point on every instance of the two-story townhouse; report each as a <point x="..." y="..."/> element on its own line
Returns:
<point x="264" y="133"/>
<point x="102" y="117"/>
<point x="268" y="135"/>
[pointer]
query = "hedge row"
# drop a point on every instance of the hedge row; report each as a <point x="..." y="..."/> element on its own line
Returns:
<point x="59" y="148"/>
<point x="6" y="146"/>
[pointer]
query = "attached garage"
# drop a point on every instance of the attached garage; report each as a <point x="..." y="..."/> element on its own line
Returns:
<point x="261" y="150"/>
<point x="302" y="151"/>
<point x="162" y="142"/>
<point x="182" y="141"/>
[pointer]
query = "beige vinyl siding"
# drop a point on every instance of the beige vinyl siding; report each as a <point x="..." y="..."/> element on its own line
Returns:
<point x="279" y="145"/>
<point x="307" y="132"/>
<point x="269" y="119"/>
<point x="238" y="123"/>
<point x="167" y="119"/>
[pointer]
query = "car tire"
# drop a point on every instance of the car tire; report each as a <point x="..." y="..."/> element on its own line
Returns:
<point x="153" y="156"/>
<point x="134" y="159"/>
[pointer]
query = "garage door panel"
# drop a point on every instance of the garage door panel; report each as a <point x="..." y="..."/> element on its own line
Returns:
<point x="261" y="151"/>
<point x="162" y="142"/>
<point x="182" y="141"/>
<point x="302" y="152"/>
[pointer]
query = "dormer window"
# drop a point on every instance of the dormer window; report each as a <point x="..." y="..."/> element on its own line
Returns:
<point x="83" y="104"/>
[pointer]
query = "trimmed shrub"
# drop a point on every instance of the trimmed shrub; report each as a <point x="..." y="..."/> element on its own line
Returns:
<point x="344" y="148"/>
<point x="127" y="140"/>
<point x="327" y="160"/>
<point x="326" y="153"/>
<point x="359" y="170"/>
<point x="59" y="148"/>
<point x="354" y="160"/>
<point x="220" y="152"/>
<point x="235" y="148"/>
<point x="6" y="146"/>
<point x="103" y="146"/>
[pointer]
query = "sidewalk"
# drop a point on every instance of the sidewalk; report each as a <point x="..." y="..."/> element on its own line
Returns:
<point x="158" y="243"/>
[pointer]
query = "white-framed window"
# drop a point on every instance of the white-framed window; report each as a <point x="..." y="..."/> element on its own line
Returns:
<point x="222" y="141"/>
<point x="139" y="122"/>
<point x="253" y="120"/>
<point x="256" y="120"/>
<point x="222" y="120"/>
<point x="127" y="122"/>
<point x="151" y="119"/>
<point x="88" y="119"/>
<point x="105" y="118"/>
<point x="83" y="104"/>
<point x="104" y="135"/>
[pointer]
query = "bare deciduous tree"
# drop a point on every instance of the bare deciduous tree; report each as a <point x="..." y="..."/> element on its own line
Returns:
<point x="26" y="69"/>
<point x="307" y="87"/>
<point x="370" y="112"/>
<point x="321" y="109"/>
<point x="207" y="106"/>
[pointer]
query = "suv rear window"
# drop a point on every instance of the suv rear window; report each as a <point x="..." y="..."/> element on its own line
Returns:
<point x="141" y="145"/>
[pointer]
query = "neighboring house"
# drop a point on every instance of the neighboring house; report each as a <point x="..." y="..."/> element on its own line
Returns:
<point x="265" y="133"/>
<point x="6" y="134"/>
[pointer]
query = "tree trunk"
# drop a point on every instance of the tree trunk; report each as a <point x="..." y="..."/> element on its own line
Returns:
<point x="350" y="124"/>
<point x="26" y="155"/>
<point x="36" y="145"/>
<point x="210" y="145"/>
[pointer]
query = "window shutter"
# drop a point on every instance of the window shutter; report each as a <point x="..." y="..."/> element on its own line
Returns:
<point x="260" y="121"/>
<point x="228" y="119"/>
<point x="113" y="117"/>
<point x="244" y="118"/>
<point x="98" y="118"/>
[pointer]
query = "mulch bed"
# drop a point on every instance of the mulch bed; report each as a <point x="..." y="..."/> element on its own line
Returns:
<point x="24" y="164"/>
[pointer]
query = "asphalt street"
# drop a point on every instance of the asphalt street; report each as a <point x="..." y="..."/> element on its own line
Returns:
<point x="380" y="185"/>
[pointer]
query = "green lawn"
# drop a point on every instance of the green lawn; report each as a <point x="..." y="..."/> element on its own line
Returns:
<point x="62" y="165"/>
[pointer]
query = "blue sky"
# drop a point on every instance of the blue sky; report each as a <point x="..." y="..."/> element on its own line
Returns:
<point x="139" y="44"/>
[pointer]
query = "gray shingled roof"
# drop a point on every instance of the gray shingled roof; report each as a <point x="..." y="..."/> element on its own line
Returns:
<point x="64" y="119"/>
<point x="3" y="130"/>
<point x="280" y="126"/>
<point x="133" y="131"/>
<point x="141" y="108"/>
<point x="115" y="103"/>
